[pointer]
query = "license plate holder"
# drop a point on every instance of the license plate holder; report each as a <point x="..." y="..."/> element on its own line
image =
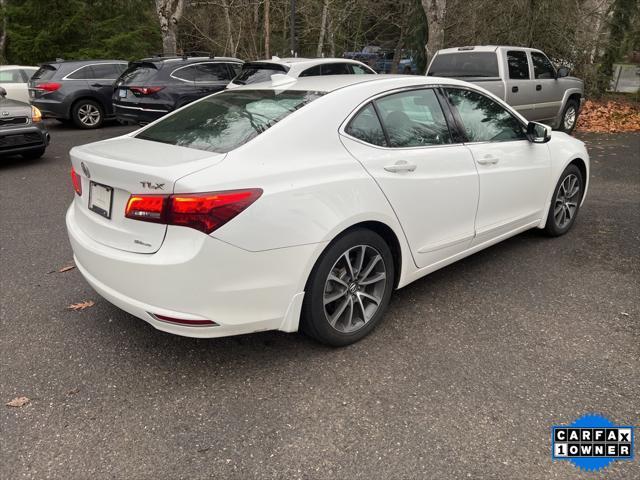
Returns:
<point x="100" y="199"/>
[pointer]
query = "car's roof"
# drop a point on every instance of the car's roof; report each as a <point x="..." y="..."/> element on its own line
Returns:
<point x="305" y="62"/>
<point x="82" y="62"/>
<point x="189" y="59"/>
<point x="484" y="48"/>
<point x="329" y="83"/>
<point x="7" y="67"/>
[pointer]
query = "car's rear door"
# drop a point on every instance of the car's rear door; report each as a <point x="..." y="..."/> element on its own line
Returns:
<point x="548" y="91"/>
<point x="514" y="173"/>
<point x="520" y="91"/>
<point x="429" y="178"/>
<point x="101" y="78"/>
<point x="212" y="77"/>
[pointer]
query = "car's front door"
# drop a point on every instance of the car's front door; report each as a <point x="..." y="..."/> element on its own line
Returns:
<point x="403" y="141"/>
<point x="513" y="171"/>
<point x="548" y="90"/>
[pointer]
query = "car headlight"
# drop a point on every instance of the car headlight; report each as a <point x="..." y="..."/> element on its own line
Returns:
<point x="36" y="115"/>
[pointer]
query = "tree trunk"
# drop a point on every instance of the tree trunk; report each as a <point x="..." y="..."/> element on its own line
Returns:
<point x="435" y="11"/>
<point x="323" y="28"/>
<point x="267" y="30"/>
<point x="332" y="38"/>
<point x="3" y="33"/>
<point x="169" y="14"/>
<point x="397" y="52"/>
<point x="227" y="20"/>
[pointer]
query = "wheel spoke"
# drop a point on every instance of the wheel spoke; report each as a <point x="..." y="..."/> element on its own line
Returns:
<point x="364" y="313"/>
<point x="374" y="279"/>
<point x="349" y="266"/>
<point x="369" y="268"/>
<point x="339" y="281"/>
<point x="339" y="311"/>
<point x="332" y="298"/>
<point x="360" y="260"/>
<point x="362" y="295"/>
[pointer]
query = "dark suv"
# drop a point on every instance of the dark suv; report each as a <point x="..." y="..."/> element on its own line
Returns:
<point x="152" y="87"/>
<point x="77" y="90"/>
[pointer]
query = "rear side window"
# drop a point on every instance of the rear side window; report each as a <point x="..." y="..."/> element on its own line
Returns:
<point x="336" y="69"/>
<point x="11" y="76"/>
<point x="109" y="71"/>
<point x="518" y="65"/>
<point x="45" y="72"/>
<point x="465" y="64"/>
<point x="82" y="73"/>
<point x="256" y="73"/>
<point x="312" y="72"/>
<point x="413" y="119"/>
<point x="225" y="121"/>
<point x="366" y="126"/>
<point x="360" y="70"/>
<point x="139" y="73"/>
<point x="542" y="67"/>
<point x="211" y="72"/>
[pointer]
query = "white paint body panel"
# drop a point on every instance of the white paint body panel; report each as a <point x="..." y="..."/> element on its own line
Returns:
<point x="250" y="274"/>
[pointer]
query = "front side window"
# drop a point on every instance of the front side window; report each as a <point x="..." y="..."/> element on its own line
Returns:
<point x="483" y="119"/>
<point x="413" y="119"/>
<point x="223" y="122"/>
<point x="366" y="126"/>
<point x="311" y="72"/>
<point x="336" y="69"/>
<point x="211" y="72"/>
<point x="542" y="67"/>
<point x="518" y="65"/>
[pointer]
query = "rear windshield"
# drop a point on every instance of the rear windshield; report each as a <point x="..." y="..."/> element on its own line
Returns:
<point x="465" y="64"/>
<point x="138" y="72"/>
<point x="45" y="72"/>
<point x="256" y="73"/>
<point x="227" y="120"/>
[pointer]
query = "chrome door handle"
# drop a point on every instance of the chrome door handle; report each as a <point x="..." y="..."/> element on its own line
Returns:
<point x="488" y="160"/>
<point x="401" y="166"/>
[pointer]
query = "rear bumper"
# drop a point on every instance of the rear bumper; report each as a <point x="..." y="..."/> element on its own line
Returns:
<point x="52" y="108"/>
<point x="196" y="277"/>
<point x="129" y="113"/>
<point x="23" y="139"/>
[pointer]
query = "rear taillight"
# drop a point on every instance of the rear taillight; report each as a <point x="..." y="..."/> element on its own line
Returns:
<point x="77" y="182"/>
<point x="48" y="86"/>
<point x="145" y="90"/>
<point x="203" y="211"/>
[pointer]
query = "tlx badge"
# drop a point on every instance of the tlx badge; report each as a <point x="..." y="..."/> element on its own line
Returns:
<point x="152" y="186"/>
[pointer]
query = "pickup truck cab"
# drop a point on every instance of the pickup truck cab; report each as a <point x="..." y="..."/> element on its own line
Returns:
<point x="523" y="77"/>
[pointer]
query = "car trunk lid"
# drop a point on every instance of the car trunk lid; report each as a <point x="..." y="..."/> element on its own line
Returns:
<point x="112" y="170"/>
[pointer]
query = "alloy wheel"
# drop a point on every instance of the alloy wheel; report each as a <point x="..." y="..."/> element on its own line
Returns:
<point x="89" y="115"/>
<point x="566" y="202"/>
<point x="354" y="288"/>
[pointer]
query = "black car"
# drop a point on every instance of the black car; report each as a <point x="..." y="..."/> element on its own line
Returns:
<point x="21" y="129"/>
<point x="152" y="87"/>
<point x="78" y="90"/>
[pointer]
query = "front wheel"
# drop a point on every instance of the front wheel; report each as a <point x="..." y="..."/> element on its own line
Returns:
<point x="569" y="116"/>
<point x="566" y="202"/>
<point x="349" y="289"/>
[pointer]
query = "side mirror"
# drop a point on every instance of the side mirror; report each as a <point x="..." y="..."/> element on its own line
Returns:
<point x="3" y="92"/>
<point x="563" y="72"/>
<point x="538" y="132"/>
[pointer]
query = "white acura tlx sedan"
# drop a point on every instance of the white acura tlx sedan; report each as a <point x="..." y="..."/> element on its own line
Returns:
<point x="303" y="204"/>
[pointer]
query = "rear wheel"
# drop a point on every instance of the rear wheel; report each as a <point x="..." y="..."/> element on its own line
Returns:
<point x="566" y="202"/>
<point x="349" y="289"/>
<point x="87" y="114"/>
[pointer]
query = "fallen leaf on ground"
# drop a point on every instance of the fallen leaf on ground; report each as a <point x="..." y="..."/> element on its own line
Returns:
<point x="611" y="116"/>
<point x="73" y="392"/>
<point x="18" y="402"/>
<point x="66" y="269"/>
<point x="81" y="305"/>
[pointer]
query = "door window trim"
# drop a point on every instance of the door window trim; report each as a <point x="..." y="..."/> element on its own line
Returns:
<point x="371" y="100"/>
<point x="66" y="77"/>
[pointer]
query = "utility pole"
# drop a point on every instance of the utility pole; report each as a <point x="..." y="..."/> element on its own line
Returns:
<point x="294" y="47"/>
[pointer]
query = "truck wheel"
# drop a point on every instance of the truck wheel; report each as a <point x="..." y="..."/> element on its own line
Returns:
<point x="569" y="116"/>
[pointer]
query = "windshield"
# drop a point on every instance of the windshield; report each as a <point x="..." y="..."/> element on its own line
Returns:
<point x="223" y="122"/>
<point x="256" y="73"/>
<point x="45" y="72"/>
<point x="465" y="64"/>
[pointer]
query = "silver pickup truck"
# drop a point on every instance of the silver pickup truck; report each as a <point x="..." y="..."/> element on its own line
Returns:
<point x="522" y="77"/>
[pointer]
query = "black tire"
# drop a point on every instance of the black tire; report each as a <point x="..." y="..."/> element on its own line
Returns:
<point x="315" y="318"/>
<point x="33" y="154"/>
<point x="571" y="111"/>
<point x="87" y="114"/>
<point x="560" y="203"/>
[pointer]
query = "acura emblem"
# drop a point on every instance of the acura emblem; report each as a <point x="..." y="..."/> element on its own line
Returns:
<point x="85" y="169"/>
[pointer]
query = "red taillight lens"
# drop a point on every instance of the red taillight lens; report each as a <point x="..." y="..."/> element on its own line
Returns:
<point x="203" y="211"/>
<point x="145" y="90"/>
<point x="77" y="182"/>
<point x="150" y="208"/>
<point x="49" y="86"/>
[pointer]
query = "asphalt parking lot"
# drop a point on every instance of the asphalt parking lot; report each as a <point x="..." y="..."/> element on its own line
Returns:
<point x="463" y="379"/>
